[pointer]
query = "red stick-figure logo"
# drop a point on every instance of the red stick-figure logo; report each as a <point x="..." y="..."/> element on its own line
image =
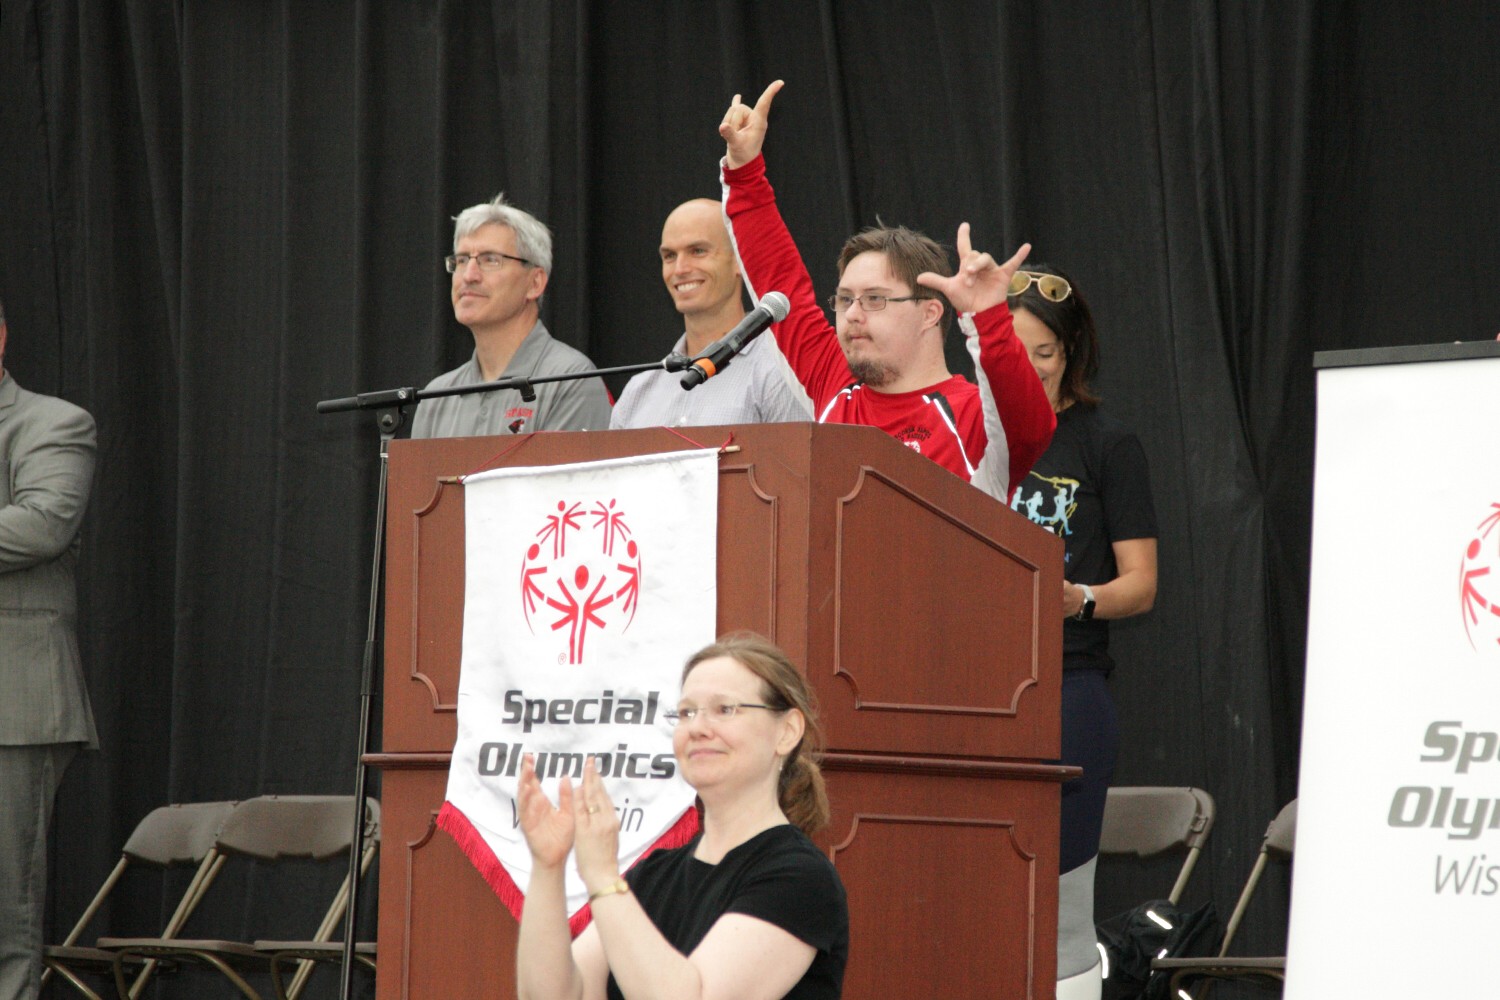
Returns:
<point x="581" y="576"/>
<point x="612" y="523"/>
<point x="557" y="527"/>
<point x="1478" y="586"/>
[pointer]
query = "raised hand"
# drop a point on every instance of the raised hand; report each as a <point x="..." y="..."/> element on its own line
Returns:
<point x="744" y="128"/>
<point x="598" y="830"/>
<point x="548" y="830"/>
<point x="980" y="282"/>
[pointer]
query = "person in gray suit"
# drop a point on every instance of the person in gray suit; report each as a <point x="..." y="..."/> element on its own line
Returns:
<point x="46" y="469"/>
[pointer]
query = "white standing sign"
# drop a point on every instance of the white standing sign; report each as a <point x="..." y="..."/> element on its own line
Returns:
<point x="587" y="587"/>
<point x="1396" y="890"/>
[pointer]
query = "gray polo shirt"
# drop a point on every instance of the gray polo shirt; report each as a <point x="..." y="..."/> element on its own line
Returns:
<point x="579" y="405"/>
<point x="757" y="387"/>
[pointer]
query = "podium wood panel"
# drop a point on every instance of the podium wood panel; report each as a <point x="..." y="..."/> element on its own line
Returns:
<point x="928" y="618"/>
<point x="442" y="930"/>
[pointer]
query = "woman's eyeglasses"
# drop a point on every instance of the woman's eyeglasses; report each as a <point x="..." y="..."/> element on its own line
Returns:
<point x="717" y="713"/>
<point x="1053" y="288"/>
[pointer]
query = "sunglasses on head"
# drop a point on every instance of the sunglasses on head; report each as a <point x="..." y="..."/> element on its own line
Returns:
<point x="1052" y="288"/>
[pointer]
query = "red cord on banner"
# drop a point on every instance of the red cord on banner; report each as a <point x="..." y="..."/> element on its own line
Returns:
<point x="488" y="463"/>
<point x="727" y="448"/>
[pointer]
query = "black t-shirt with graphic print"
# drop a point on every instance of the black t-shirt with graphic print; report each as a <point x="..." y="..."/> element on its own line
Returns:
<point x="1091" y="487"/>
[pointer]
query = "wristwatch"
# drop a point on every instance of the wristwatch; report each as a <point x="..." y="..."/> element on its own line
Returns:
<point x="1086" y="612"/>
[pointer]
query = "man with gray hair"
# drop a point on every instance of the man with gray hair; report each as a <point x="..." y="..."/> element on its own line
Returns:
<point x="501" y="260"/>
<point x="47" y="451"/>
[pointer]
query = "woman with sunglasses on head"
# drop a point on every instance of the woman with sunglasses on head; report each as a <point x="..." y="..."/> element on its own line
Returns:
<point x="750" y="909"/>
<point x="1091" y="487"/>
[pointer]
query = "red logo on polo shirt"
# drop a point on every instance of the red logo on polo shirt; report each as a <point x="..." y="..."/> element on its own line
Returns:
<point x="582" y="574"/>
<point x="1479" y="583"/>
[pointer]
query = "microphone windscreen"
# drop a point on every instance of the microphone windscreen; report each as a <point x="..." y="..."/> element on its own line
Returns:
<point x="777" y="305"/>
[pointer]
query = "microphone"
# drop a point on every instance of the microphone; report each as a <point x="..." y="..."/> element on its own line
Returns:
<point x="773" y="308"/>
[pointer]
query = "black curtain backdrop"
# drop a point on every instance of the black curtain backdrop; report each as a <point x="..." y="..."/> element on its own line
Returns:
<point x="216" y="213"/>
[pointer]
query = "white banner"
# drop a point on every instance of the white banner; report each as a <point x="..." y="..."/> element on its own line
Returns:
<point x="587" y="588"/>
<point x="1396" y="888"/>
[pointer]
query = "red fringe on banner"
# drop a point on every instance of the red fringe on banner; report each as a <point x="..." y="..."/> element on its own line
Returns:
<point x="471" y="842"/>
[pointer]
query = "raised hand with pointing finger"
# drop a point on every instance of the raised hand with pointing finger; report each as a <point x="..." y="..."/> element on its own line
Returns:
<point x="744" y="128"/>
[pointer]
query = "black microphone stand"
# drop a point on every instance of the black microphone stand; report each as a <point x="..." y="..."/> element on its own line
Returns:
<point x="389" y="406"/>
<point x="383" y="399"/>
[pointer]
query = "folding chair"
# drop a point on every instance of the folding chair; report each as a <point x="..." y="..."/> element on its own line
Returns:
<point x="270" y="829"/>
<point x="305" y="953"/>
<point x="167" y="837"/>
<point x="320" y="949"/>
<point x="1276" y="845"/>
<point x="1147" y="822"/>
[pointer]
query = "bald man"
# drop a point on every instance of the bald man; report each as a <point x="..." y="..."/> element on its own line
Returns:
<point x="702" y="275"/>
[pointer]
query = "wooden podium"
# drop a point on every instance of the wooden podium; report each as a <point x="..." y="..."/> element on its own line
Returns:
<point x="928" y="618"/>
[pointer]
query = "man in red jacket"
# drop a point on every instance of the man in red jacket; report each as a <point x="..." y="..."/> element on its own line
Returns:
<point x="883" y="365"/>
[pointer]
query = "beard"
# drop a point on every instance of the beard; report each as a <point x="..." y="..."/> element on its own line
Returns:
<point x="871" y="373"/>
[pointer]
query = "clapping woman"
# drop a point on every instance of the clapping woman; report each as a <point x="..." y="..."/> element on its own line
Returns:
<point x="750" y="909"/>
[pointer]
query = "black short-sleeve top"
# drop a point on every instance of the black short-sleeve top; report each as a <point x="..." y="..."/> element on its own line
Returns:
<point x="778" y="876"/>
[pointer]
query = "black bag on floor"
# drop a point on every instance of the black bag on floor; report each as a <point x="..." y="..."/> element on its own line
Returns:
<point x="1154" y="929"/>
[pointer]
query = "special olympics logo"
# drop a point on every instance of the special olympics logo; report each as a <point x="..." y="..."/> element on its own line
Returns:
<point x="1478" y="589"/>
<point x="590" y="574"/>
